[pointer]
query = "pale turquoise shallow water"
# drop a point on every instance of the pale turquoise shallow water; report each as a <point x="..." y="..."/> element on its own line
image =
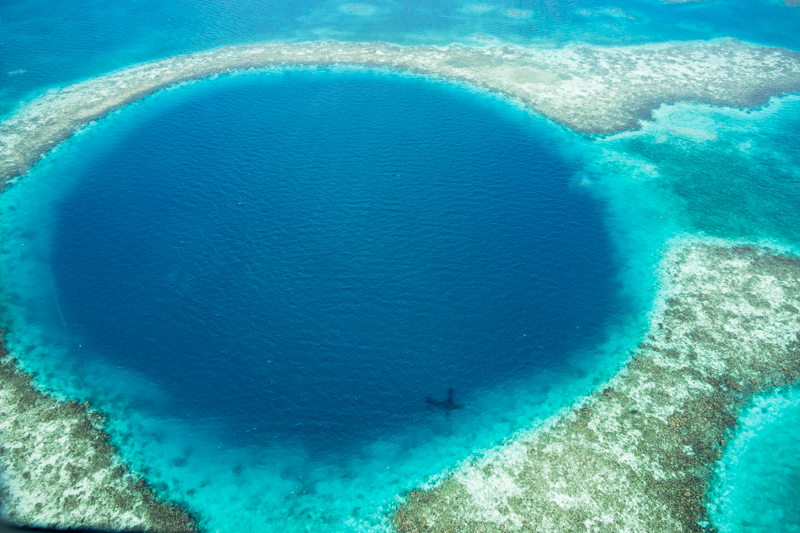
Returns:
<point x="758" y="481"/>
<point x="695" y="171"/>
<point x="42" y="47"/>
<point x="723" y="175"/>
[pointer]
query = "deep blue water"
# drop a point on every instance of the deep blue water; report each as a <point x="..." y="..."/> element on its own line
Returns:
<point x="310" y="258"/>
<point x="271" y="273"/>
<point x="261" y="278"/>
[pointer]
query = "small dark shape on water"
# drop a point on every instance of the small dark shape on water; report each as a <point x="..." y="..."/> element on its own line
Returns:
<point x="447" y="405"/>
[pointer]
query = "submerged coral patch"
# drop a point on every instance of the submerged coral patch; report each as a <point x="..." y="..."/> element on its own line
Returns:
<point x="357" y="9"/>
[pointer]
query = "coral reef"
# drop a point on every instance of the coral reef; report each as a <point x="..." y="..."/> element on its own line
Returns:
<point x="637" y="455"/>
<point x="588" y="89"/>
<point x="58" y="468"/>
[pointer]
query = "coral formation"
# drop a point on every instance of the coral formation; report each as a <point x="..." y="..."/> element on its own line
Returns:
<point x="60" y="470"/>
<point x="588" y="89"/>
<point x="637" y="455"/>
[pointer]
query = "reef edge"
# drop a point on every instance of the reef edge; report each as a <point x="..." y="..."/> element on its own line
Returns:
<point x="588" y="89"/>
<point x="58" y="468"/>
<point x="638" y="454"/>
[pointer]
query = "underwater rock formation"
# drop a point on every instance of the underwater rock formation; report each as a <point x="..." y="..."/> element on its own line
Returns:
<point x="637" y="455"/>
<point x="58" y="468"/>
<point x="588" y="89"/>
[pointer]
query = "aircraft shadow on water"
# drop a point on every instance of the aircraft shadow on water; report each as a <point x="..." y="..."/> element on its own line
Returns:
<point x="447" y="405"/>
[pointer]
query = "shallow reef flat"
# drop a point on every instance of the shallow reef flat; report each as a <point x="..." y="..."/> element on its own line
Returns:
<point x="588" y="89"/>
<point x="58" y="468"/>
<point x="637" y="454"/>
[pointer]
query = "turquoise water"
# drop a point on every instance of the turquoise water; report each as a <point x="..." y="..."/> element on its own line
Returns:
<point x="263" y="291"/>
<point x="721" y="173"/>
<point x="724" y="175"/>
<point x="757" y="484"/>
<point x="41" y="47"/>
<point x="262" y="277"/>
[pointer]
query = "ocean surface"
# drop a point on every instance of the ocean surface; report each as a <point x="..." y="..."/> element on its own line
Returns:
<point x="292" y="264"/>
<point x="270" y="281"/>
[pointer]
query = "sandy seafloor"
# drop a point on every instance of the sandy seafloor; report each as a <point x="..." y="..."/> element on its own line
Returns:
<point x="694" y="173"/>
